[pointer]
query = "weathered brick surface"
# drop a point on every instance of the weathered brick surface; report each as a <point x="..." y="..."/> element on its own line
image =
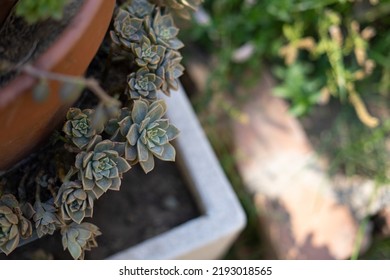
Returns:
<point x="299" y="211"/>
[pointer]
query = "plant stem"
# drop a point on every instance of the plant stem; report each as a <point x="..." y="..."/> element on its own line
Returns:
<point x="90" y="83"/>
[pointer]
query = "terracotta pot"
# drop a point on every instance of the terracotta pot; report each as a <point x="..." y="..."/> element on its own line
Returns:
<point x="24" y="122"/>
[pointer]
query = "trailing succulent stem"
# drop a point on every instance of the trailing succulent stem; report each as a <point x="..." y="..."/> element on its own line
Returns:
<point x="105" y="141"/>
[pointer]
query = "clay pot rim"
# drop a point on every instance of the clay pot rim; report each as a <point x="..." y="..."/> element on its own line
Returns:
<point x="57" y="52"/>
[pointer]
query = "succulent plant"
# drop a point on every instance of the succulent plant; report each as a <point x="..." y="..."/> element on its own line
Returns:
<point x="143" y="84"/>
<point x="147" y="54"/>
<point x="79" y="128"/>
<point x="74" y="202"/>
<point x="162" y="30"/>
<point x="139" y="8"/>
<point x="127" y="29"/>
<point x="78" y="238"/>
<point x="170" y="70"/>
<point x="45" y="218"/>
<point x="100" y="167"/>
<point x="13" y="225"/>
<point x="182" y="8"/>
<point x="148" y="134"/>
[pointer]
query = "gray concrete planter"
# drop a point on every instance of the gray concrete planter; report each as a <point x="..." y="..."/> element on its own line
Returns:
<point x="222" y="219"/>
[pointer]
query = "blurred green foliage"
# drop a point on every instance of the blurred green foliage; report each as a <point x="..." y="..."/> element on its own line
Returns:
<point x="294" y="86"/>
<point x="379" y="250"/>
<point x="36" y="10"/>
<point x="354" y="149"/>
<point x="333" y="48"/>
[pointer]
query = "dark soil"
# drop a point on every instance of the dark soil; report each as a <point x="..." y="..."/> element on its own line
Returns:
<point x="146" y="205"/>
<point x="21" y="42"/>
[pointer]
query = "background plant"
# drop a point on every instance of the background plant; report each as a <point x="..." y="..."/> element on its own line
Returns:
<point x="336" y="47"/>
<point x="320" y="52"/>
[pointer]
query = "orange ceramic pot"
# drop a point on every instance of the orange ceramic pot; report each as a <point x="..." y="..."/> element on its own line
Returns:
<point x="24" y="122"/>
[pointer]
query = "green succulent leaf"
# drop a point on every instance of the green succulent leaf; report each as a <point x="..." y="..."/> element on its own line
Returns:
<point x="148" y="165"/>
<point x="113" y="125"/>
<point x="172" y="132"/>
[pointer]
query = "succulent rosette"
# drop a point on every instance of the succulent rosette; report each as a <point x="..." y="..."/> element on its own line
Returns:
<point x="74" y="202"/>
<point x="78" y="238"/>
<point x="148" y="134"/>
<point x="162" y="30"/>
<point x="79" y="128"/>
<point x="127" y="29"/>
<point x="139" y="8"/>
<point x="143" y="84"/>
<point x="45" y="218"/>
<point x="147" y="54"/>
<point x="101" y="167"/>
<point x="13" y="225"/>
